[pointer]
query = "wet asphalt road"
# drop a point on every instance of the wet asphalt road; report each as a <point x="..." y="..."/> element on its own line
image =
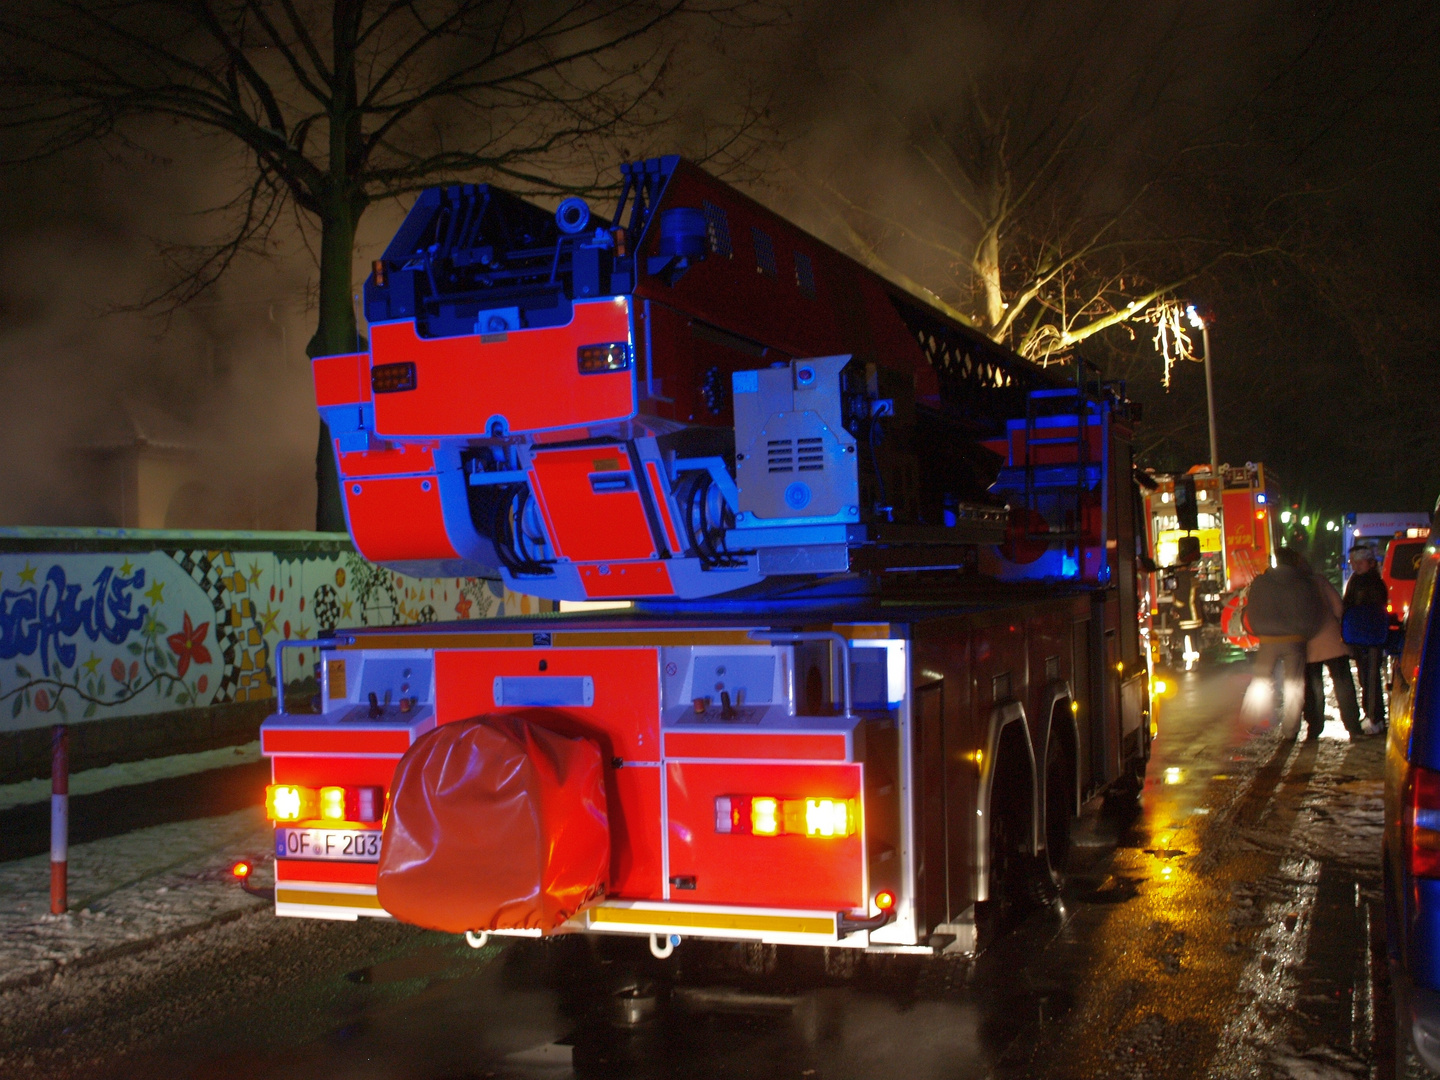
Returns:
<point x="1231" y="928"/>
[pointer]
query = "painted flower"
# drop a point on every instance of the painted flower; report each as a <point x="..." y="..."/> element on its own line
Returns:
<point x="203" y="682"/>
<point x="189" y="644"/>
<point x="117" y="670"/>
<point x="42" y="701"/>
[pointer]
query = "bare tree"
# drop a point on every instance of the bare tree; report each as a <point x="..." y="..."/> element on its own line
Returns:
<point x="335" y="104"/>
<point x="1042" y="189"/>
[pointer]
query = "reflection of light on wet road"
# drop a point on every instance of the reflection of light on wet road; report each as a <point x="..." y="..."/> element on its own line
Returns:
<point x="1334" y="727"/>
<point x="1270" y="981"/>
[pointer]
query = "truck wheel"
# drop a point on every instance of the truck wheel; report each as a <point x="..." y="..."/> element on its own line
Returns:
<point x="1059" y="808"/>
<point x="756" y="958"/>
<point x="1123" y="796"/>
<point x="842" y="964"/>
<point x="1011" y="872"/>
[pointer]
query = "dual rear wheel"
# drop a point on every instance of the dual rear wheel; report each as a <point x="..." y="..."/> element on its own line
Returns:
<point x="1022" y="882"/>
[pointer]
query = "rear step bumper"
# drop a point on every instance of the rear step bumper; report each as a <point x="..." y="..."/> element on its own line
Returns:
<point x="340" y="901"/>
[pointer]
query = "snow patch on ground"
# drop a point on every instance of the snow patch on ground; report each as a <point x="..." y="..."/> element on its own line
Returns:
<point x="123" y="774"/>
<point x="129" y="889"/>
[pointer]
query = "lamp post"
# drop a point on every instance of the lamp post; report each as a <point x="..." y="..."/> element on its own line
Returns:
<point x="1199" y="324"/>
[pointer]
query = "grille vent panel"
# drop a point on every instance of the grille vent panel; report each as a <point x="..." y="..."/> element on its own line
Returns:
<point x="811" y="454"/>
<point x="795" y="455"/>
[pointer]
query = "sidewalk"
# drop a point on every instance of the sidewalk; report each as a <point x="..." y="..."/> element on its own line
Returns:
<point x="109" y="777"/>
<point x="127" y="892"/>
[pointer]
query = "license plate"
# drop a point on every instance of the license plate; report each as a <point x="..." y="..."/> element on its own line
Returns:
<point x="342" y="845"/>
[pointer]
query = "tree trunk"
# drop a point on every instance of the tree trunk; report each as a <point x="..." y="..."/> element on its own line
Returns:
<point x="989" y="273"/>
<point x="335" y="334"/>
<point x="342" y="205"/>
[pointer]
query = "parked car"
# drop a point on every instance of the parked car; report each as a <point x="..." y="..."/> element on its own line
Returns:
<point x="1412" y="829"/>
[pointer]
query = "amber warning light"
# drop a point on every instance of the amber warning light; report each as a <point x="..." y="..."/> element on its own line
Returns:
<point x="392" y="378"/>
<point x="599" y="359"/>
<point x="241" y="870"/>
<point x="769" y="815"/>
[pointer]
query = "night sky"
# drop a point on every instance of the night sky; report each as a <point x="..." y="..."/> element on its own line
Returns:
<point x="1299" y="136"/>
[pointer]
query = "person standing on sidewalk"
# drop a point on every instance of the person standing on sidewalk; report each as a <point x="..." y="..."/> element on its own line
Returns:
<point x="1284" y="612"/>
<point x="1327" y="649"/>
<point x="1366" y="590"/>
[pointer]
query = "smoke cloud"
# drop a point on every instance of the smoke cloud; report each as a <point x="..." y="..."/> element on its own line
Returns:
<point x="222" y="385"/>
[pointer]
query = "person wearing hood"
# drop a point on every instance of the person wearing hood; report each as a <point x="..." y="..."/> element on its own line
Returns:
<point x="1284" y="612"/>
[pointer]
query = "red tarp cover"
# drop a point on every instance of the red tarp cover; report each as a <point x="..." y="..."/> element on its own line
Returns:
<point x="495" y="824"/>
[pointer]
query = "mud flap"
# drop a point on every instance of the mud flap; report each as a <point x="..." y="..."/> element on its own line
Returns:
<point x="495" y="823"/>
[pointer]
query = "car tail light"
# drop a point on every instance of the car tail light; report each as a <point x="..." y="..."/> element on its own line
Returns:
<point x="769" y="815"/>
<point x="290" y="802"/>
<point x="392" y="378"/>
<point x="598" y="359"/>
<point x="1422" y="823"/>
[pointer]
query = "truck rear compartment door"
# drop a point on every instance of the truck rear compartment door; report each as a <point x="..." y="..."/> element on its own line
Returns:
<point x="622" y="714"/>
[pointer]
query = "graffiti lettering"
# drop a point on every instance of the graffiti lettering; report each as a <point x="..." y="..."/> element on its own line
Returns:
<point x="42" y="620"/>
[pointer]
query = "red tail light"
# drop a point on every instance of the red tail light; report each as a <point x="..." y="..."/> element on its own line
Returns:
<point x="1422" y="823"/>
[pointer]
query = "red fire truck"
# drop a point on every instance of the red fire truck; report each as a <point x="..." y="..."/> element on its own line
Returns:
<point x="1228" y="519"/>
<point x="884" y="642"/>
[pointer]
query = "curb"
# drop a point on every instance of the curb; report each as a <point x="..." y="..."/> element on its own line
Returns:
<point x="55" y="968"/>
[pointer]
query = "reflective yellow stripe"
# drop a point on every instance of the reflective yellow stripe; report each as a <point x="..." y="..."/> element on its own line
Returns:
<point x="328" y="899"/>
<point x="775" y="924"/>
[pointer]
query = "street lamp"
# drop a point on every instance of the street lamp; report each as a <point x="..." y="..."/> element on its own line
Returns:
<point x="1199" y="324"/>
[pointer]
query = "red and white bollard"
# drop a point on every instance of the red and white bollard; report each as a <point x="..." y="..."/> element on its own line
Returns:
<point x="59" y="817"/>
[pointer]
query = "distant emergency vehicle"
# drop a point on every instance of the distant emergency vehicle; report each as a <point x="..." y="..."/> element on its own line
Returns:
<point x="1230" y="517"/>
<point x="1400" y="566"/>
<point x="1377" y="530"/>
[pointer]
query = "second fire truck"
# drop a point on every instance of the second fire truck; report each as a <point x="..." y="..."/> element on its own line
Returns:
<point x="1210" y="535"/>
<point x="884" y="641"/>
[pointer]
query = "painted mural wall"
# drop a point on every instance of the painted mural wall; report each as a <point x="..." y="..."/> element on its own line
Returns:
<point x="190" y="621"/>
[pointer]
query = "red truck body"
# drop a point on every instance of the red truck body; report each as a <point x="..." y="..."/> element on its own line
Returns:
<point x="885" y="639"/>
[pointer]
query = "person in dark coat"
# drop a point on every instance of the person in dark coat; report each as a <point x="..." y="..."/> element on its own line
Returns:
<point x="1366" y="588"/>
<point x="1283" y="610"/>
